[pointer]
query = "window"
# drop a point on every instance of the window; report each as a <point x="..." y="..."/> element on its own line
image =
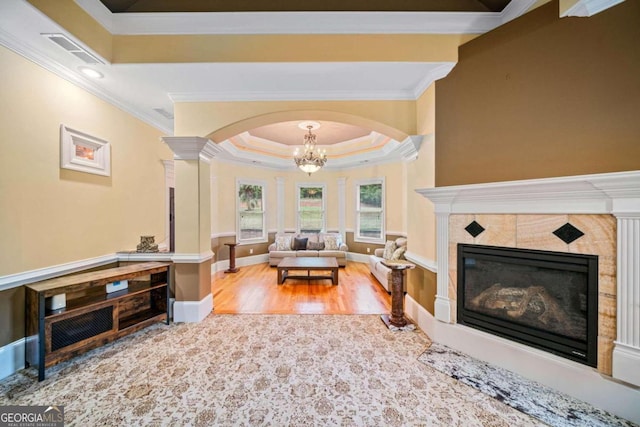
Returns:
<point x="251" y="215"/>
<point x="311" y="206"/>
<point x="370" y="211"/>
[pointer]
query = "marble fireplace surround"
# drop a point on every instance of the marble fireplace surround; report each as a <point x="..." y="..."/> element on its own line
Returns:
<point x="606" y="207"/>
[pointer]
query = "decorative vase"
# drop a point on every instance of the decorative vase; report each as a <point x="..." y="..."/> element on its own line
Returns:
<point x="147" y="244"/>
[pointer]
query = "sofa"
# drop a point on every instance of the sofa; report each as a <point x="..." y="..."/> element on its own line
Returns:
<point x="393" y="250"/>
<point x="316" y="245"/>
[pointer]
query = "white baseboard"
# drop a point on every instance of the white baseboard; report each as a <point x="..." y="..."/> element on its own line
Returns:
<point x="192" y="311"/>
<point x="240" y="262"/>
<point x="574" y="379"/>
<point x="11" y="358"/>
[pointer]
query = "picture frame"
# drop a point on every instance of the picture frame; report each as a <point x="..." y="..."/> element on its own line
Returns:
<point x="82" y="152"/>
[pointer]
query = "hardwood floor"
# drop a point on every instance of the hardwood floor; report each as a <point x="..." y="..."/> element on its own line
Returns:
<point x="254" y="289"/>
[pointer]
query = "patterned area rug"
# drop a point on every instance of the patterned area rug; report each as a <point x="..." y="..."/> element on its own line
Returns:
<point x="261" y="370"/>
<point x="544" y="403"/>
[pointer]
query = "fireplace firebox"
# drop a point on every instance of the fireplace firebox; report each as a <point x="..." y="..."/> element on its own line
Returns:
<point x="548" y="300"/>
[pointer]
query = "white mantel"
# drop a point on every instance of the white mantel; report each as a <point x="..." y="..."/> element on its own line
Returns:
<point x="612" y="193"/>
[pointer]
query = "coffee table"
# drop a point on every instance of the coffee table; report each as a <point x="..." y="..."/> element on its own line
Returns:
<point x="309" y="264"/>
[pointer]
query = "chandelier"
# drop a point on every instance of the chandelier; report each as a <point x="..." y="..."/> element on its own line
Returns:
<point x="310" y="160"/>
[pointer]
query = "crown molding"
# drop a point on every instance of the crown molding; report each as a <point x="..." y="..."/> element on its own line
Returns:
<point x="73" y="77"/>
<point x="586" y="8"/>
<point x="302" y="22"/>
<point x="437" y="73"/>
<point x="410" y="147"/>
<point x="514" y="9"/>
<point x="392" y="151"/>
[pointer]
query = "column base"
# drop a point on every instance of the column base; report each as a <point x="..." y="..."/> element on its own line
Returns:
<point x="442" y="308"/>
<point x="192" y="311"/>
<point x="626" y="363"/>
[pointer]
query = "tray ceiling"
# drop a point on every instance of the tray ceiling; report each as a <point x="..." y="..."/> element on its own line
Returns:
<point x="147" y="6"/>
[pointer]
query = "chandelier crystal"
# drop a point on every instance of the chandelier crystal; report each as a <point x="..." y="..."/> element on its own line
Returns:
<point x="311" y="160"/>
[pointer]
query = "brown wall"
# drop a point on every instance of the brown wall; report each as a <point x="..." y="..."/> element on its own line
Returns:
<point x="12" y="311"/>
<point x="12" y="315"/>
<point x="422" y="286"/>
<point x="222" y="251"/>
<point x="543" y="96"/>
<point x="361" y="248"/>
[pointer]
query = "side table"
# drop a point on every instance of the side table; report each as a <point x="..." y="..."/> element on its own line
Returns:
<point x="397" y="318"/>
<point x="232" y="258"/>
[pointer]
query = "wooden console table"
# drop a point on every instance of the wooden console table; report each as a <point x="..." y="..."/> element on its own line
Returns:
<point x="397" y="318"/>
<point x="92" y="317"/>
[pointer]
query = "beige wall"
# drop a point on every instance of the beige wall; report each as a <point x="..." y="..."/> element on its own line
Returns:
<point x="543" y="96"/>
<point x="421" y="283"/>
<point x="221" y="120"/>
<point x="52" y="216"/>
<point x="225" y="175"/>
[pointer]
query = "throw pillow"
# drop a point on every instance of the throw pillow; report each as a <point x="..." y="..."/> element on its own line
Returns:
<point x="283" y="243"/>
<point x="389" y="248"/>
<point x="299" y="244"/>
<point x="398" y="254"/>
<point x="331" y="243"/>
<point x="315" y="246"/>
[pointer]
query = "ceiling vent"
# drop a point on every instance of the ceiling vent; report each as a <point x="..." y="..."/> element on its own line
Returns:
<point x="164" y="113"/>
<point x="73" y="48"/>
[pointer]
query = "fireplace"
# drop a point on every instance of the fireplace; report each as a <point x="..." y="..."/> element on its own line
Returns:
<point x="548" y="300"/>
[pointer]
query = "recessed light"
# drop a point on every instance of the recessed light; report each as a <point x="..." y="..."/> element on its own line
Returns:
<point x="90" y="72"/>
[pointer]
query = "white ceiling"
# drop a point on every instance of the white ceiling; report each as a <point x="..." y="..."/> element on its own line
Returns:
<point x="141" y="88"/>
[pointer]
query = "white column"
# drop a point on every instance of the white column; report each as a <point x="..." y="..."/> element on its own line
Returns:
<point x="169" y="182"/>
<point x="442" y="305"/>
<point x="626" y="351"/>
<point x="192" y="257"/>
<point x="214" y="206"/>
<point x="280" y="204"/>
<point x="342" y="207"/>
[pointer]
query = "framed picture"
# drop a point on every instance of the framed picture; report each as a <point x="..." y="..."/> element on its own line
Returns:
<point x="85" y="153"/>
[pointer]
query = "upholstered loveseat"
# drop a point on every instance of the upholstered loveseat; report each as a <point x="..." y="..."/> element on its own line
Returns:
<point x="393" y="250"/>
<point x="315" y="245"/>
